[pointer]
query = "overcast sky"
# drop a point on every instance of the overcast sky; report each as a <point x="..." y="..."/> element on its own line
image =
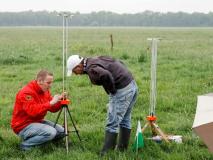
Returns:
<point x="118" y="6"/>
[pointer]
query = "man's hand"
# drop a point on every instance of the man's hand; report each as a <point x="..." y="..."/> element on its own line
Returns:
<point x="56" y="99"/>
<point x="64" y="95"/>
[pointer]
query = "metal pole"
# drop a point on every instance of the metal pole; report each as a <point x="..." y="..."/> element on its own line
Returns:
<point x="63" y="50"/>
<point x="66" y="52"/>
<point x="65" y="109"/>
<point x="66" y="129"/>
<point x="65" y="17"/>
<point x="64" y="63"/>
<point x="153" y="89"/>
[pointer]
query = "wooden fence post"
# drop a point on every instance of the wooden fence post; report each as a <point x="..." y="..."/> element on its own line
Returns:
<point x="111" y="41"/>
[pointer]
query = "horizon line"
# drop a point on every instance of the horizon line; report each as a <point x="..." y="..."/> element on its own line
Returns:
<point x="31" y="10"/>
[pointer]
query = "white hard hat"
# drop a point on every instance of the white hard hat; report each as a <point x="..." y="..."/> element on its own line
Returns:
<point x="72" y="62"/>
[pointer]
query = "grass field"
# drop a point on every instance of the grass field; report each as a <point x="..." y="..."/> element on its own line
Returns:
<point x="185" y="70"/>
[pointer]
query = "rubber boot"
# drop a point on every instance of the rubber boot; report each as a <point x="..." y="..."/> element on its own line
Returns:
<point x="110" y="142"/>
<point x="124" y="135"/>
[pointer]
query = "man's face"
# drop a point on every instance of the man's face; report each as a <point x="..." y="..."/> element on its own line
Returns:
<point x="78" y="69"/>
<point x="46" y="83"/>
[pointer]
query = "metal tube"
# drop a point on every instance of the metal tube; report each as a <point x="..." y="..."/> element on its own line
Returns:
<point x="153" y="89"/>
<point x="63" y="50"/>
<point x="65" y="17"/>
<point x="66" y="51"/>
<point x="66" y="129"/>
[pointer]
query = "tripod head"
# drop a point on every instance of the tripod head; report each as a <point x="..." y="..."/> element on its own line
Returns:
<point x="151" y="118"/>
<point x="65" y="102"/>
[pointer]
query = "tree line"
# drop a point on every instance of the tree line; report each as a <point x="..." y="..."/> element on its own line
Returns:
<point x="104" y="18"/>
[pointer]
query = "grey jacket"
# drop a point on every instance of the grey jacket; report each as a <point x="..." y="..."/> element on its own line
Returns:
<point x="108" y="72"/>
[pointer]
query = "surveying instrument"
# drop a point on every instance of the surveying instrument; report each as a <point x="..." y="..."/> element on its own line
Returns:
<point x="151" y="118"/>
<point x="65" y="102"/>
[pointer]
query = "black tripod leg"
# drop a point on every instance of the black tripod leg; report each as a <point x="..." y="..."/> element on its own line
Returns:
<point x="66" y="128"/>
<point x="58" y="117"/>
<point x="74" y="125"/>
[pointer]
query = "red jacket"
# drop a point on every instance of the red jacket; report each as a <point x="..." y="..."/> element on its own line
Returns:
<point x="31" y="106"/>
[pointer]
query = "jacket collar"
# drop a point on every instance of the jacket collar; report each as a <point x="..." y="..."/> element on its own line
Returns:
<point x="37" y="87"/>
<point x="85" y="64"/>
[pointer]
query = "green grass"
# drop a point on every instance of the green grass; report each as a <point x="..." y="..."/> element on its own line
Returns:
<point x="185" y="57"/>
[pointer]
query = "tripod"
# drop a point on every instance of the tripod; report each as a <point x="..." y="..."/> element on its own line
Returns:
<point x="66" y="110"/>
<point x="152" y="118"/>
<point x="154" y="127"/>
<point x="65" y="102"/>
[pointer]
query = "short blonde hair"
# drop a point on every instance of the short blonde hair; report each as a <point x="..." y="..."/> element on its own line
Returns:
<point x="42" y="74"/>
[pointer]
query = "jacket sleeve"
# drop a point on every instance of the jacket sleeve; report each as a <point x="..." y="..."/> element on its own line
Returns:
<point x="100" y="76"/>
<point x="55" y="107"/>
<point x="31" y="107"/>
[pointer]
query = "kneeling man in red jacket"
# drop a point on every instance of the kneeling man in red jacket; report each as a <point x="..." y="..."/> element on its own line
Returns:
<point x="32" y="103"/>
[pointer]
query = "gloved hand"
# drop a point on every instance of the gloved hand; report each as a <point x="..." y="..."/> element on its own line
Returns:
<point x="55" y="99"/>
